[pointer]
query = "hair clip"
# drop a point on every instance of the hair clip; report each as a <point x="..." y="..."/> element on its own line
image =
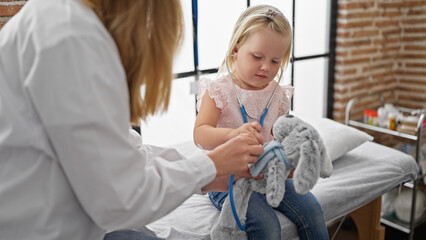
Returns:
<point x="271" y="13"/>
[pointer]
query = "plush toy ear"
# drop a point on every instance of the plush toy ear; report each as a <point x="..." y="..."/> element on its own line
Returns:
<point x="307" y="170"/>
<point x="275" y="182"/>
<point x="326" y="166"/>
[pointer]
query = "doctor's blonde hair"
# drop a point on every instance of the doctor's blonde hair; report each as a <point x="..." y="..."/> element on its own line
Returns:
<point x="253" y="19"/>
<point x="147" y="34"/>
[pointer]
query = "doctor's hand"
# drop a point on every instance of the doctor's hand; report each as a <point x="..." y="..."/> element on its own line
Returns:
<point x="234" y="156"/>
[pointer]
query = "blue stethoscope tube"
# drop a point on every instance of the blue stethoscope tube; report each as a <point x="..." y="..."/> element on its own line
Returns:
<point x="244" y="114"/>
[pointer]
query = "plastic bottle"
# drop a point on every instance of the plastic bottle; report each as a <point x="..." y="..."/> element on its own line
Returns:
<point x="392" y="121"/>
<point x="366" y="115"/>
<point x="373" y="118"/>
<point x="383" y="117"/>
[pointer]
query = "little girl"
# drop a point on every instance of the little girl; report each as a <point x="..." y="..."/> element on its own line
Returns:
<point x="260" y="47"/>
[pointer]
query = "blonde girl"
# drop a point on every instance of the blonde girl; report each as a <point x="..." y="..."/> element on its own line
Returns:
<point x="260" y="47"/>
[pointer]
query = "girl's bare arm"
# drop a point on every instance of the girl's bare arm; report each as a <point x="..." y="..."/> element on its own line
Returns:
<point x="208" y="135"/>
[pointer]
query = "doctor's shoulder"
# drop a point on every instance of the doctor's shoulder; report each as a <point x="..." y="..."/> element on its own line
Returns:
<point x="51" y="21"/>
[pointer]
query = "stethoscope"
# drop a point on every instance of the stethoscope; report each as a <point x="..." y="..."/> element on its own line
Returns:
<point x="245" y="114"/>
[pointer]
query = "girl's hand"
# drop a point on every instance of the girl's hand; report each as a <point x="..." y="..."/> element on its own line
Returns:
<point x="252" y="128"/>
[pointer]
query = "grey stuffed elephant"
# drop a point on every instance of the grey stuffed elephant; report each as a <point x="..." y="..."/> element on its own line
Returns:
<point x="301" y="147"/>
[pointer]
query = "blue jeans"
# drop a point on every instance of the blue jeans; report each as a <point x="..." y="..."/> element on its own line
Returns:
<point x="262" y="222"/>
<point x="143" y="234"/>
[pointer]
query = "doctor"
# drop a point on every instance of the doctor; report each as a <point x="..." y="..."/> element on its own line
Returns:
<point x="70" y="78"/>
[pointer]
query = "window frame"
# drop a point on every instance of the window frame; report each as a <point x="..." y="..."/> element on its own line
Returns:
<point x="293" y="60"/>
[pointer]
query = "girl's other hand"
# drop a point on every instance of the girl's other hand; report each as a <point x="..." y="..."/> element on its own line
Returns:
<point x="252" y="128"/>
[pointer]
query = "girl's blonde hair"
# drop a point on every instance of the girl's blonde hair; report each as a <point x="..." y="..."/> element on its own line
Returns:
<point x="253" y="19"/>
<point x="147" y="34"/>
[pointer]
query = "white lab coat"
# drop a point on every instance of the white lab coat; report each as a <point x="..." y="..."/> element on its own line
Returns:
<point x="67" y="167"/>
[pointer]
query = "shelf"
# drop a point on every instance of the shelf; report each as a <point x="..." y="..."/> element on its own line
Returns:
<point x="393" y="221"/>
<point x="382" y="130"/>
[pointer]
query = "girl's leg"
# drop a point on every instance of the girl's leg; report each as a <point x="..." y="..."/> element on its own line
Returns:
<point x="305" y="211"/>
<point x="261" y="220"/>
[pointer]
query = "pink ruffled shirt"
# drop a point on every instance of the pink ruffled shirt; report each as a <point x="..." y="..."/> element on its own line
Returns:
<point x="254" y="102"/>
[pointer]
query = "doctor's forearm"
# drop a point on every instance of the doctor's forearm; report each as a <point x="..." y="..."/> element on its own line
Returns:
<point x="210" y="137"/>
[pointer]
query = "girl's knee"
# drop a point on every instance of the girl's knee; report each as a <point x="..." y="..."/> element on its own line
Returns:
<point x="264" y="230"/>
<point x="313" y="203"/>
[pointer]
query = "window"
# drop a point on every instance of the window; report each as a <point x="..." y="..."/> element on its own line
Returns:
<point x="215" y="19"/>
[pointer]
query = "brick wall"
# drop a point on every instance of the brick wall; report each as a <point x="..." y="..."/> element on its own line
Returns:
<point x="8" y="8"/>
<point x="381" y="47"/>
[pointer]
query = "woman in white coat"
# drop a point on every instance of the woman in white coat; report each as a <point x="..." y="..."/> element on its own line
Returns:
<point x="70" y="78"/>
